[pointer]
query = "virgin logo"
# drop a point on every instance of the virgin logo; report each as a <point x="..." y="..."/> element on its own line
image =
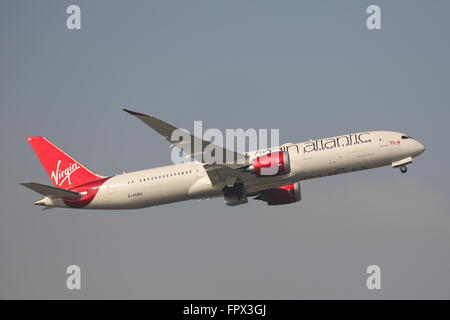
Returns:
<point x="393" y="142"/>
<point x="59" y="176"/>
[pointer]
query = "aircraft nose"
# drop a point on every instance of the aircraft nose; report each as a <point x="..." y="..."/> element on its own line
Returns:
<point x="420" y="148"/>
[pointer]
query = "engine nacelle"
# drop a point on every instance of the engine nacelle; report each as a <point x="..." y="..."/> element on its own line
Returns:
<point x="271" y="164"/>
<point x="282" y="195"/>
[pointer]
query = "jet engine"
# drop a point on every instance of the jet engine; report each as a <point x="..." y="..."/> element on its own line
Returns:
<point x="271" y="164"/>
<point x="281" y="195"/>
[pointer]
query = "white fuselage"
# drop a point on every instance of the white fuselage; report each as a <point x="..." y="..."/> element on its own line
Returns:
<point x="311" y="159"/>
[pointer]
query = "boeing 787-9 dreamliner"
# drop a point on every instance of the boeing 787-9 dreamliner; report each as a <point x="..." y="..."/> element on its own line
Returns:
<point x="75" y="186"/>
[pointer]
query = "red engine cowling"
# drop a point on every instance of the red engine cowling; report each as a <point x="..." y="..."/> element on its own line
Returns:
<point x="282" y="195"/>
<point x="271" y="164"/>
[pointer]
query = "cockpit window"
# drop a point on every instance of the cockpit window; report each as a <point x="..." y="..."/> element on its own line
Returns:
<point x="405" y="137"/>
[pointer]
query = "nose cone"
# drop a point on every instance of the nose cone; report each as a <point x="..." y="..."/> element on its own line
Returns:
<point x="420" y="148"/>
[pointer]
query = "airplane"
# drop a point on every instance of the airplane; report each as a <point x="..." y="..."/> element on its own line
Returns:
<point x="75" y="186"/>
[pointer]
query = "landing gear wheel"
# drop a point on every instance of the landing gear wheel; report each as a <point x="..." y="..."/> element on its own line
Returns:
<point x="403" y="169"/>
<point x="235" y="195"/>
<point x="236" y="191"/>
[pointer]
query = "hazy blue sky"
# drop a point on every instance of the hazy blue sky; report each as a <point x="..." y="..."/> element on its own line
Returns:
<point x="310" y="68"/>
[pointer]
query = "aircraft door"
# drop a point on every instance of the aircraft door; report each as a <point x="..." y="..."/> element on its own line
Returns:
<point x="306" y="155"/>
<point x="383" y="141"/>
<point x="111" y="189"/>
<point x="200" y="171"/>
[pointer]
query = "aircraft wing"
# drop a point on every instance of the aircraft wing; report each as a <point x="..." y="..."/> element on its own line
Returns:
<point x="51" y="192"/>
<point x="166" y="130"/>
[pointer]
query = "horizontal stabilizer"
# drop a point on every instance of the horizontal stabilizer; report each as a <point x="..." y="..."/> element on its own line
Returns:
<point x="51" y="192"/>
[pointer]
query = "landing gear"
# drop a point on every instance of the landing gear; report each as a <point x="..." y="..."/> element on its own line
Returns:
<point x="235" y="194"/>
<point x="403" y="169"/>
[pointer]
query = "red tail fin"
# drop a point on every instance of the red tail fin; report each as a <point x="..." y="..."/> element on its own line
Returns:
<point x="64" y="171"/>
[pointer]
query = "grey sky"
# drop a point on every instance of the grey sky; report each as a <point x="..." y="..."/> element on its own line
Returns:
<point x="310" y="68"/>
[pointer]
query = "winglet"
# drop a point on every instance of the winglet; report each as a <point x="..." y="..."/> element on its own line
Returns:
<point x="134" y="113"/>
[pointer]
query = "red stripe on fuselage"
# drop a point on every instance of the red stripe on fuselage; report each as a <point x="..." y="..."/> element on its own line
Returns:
<point x="91" y="188"/>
